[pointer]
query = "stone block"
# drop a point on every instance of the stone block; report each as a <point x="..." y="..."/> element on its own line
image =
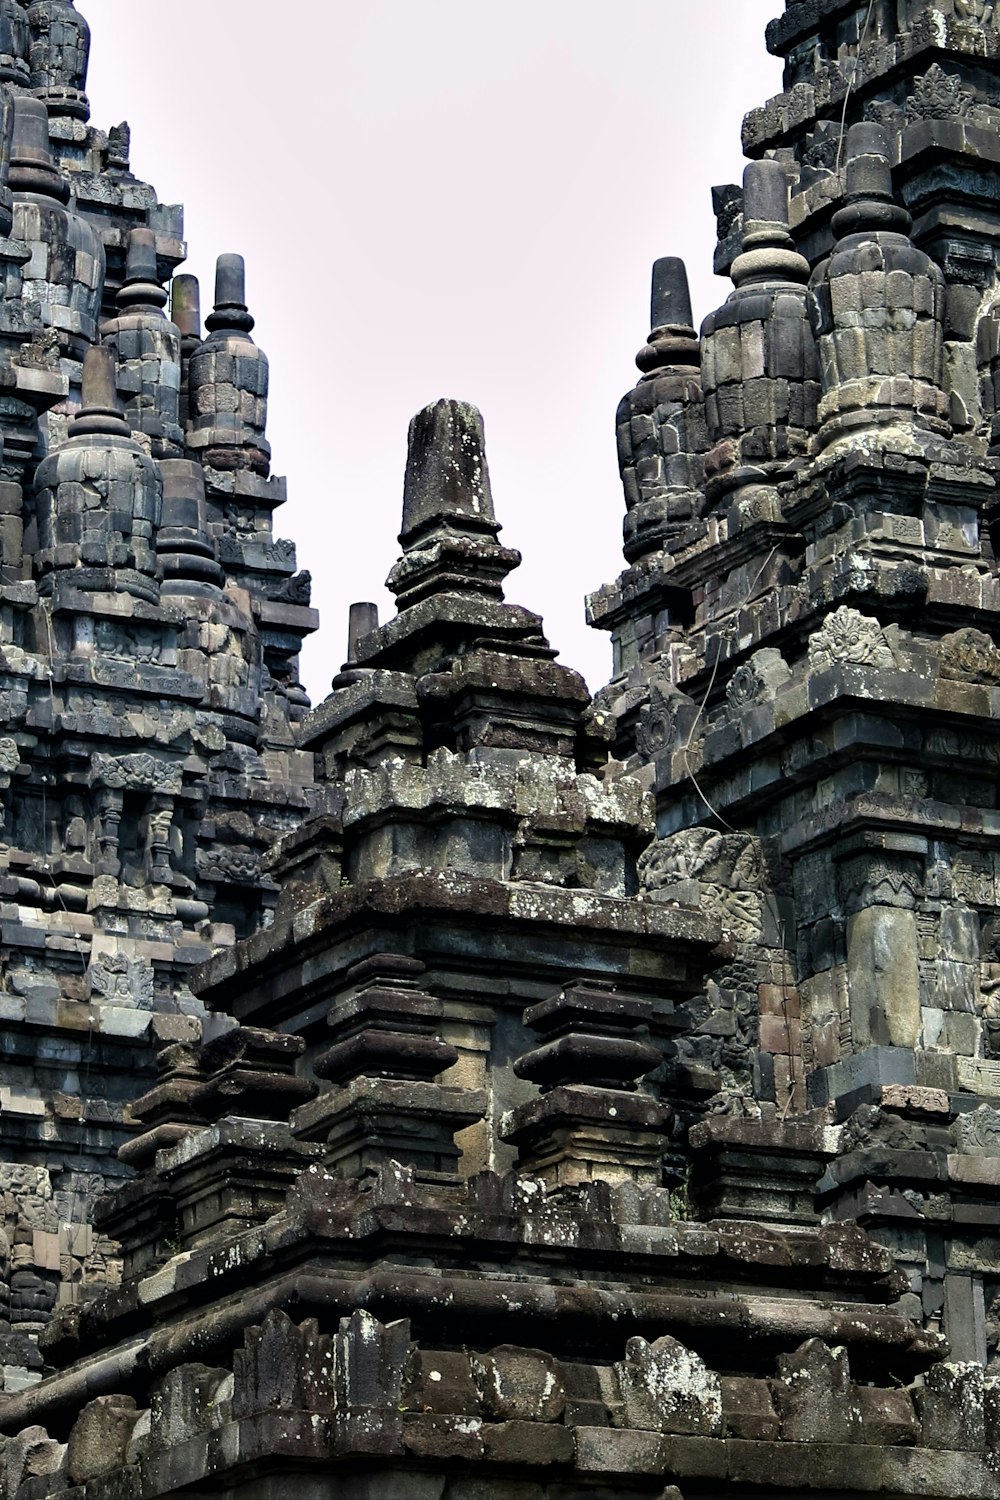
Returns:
<point x="100" y="1437"/>
<point x="668" y="1388"/>
<point x="605" y="1450"/>
<point x="519" y="1384"/>
<point x="528" y="1443"/>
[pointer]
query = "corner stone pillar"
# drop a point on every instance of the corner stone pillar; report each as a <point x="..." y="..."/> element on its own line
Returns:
<point x="878" y="887"/>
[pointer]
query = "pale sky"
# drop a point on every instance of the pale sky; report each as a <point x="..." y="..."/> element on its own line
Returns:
<point x="455" y="198"/>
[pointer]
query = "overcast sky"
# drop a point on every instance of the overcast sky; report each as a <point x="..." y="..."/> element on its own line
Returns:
<point x="455" y="198"/>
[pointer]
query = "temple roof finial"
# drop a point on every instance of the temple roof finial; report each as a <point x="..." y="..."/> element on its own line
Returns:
<point x="446" y="470"/>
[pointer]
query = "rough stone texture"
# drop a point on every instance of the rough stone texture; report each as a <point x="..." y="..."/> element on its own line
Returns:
<point x="553" y="1097"/>
<point x="147" y="755"/>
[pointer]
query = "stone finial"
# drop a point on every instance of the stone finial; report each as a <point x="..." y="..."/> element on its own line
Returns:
<point x="58" y="57"/>
<point x="362" y="620"/>
<point x="760" y="370"/>
<point x="672" y="339"/>
<point x="230" y="312"/>
<point x="147" y="347"/>
<point x="141" y="287"/>
<point x="869" y="203"/>
<point x="449" y="534"/>
<point x="185" y="306"/>
<point x="99" y="497"/>
<point x="64" y="273"/>
<point x="768" y="250"/>
<point x="32" y="168"/>
<point x="100" y="409"/>
<point x="446" y="470"/>
<point x="670" y="301"/>
<point x="660" y="424"/>
<point x="886" y="371"/>
<point x="186" y="554"/>
<point x="185" y="313"/>
<point x="119" y="146"/>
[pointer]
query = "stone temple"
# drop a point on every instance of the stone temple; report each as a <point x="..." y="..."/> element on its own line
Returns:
<point x="467" y="1089"/>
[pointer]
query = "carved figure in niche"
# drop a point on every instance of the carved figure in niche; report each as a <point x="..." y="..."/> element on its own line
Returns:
<point x="159" y="841"/>
<point x="10" y="759"/>
<point x="117" y="980"/>
<point x="975" y="10"/>
<point x="990" y="989"/>
<point x="970" y="654"/>
<point x="728" y="868"/>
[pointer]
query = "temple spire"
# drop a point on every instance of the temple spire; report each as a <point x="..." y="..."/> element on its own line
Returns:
<point x="449" y="533"/>
<point x="59" y="55"/>
<point x="228" y="382"/>
<point x="148" y="349"/>
<point x="446" y="470"/>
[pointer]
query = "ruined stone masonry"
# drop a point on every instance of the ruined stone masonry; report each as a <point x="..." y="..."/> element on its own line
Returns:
<point x="469" y="1089"/>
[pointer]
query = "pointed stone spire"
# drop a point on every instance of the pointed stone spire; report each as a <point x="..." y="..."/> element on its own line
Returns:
<point x="449" y="534"/>
<point x="59" y="54"/>
<point x="99" y="497"/>
<point x="661" y="423"/>
<point x="148" y="349"/>
<point x="759" y="364"/>
<point x="887" y="371"/>
<point x="228" y="382"/>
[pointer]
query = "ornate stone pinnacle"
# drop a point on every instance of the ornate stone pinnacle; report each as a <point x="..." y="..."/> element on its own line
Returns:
<point x="59" y="54"/>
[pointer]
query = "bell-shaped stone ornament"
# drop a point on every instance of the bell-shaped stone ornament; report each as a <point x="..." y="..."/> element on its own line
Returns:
<point x="878" y="309"/>
<point x="13" y="44"/>
<point x="760" y="371"/>
<point x="99" y="498"/>
<point x="228" y="382"/>
<point x="660" y="424"/>
<point x="58" y="57"/>
<point x="147" y="348"/>
<point x="65" y="275"/>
